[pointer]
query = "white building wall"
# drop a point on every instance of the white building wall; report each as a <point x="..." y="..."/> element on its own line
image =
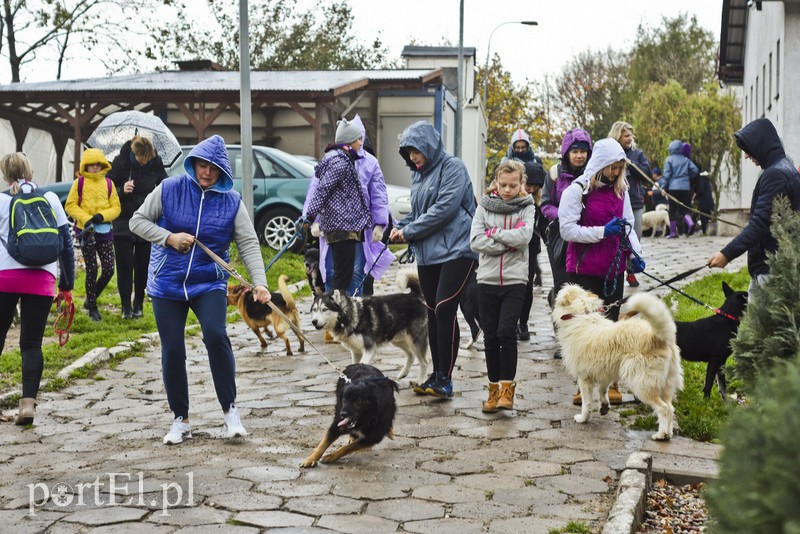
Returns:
<point x="774" y="31"/>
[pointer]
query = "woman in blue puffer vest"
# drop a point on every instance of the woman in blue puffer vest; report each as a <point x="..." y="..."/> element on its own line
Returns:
<point x="199" y="205"/>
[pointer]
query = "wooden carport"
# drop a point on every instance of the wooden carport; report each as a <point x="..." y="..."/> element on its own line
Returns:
<point x="72" y="109"/>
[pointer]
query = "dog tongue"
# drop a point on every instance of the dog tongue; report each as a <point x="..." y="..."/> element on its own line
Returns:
<point x="344" y="422"/>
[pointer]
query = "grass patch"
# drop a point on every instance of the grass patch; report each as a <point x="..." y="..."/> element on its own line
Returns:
<point x="572" y="527"/>
<point x="697" y="417"/>
<point x="86" y="335"/>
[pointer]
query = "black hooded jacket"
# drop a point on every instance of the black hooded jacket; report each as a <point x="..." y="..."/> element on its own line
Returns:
<point x="145" y="179"/>
<point x="760" y="140"/>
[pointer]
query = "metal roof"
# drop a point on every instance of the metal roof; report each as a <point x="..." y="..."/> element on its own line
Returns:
<point x="207" y="80"/>
<point x="436" y="51"/>
<point x="732" y="37"/>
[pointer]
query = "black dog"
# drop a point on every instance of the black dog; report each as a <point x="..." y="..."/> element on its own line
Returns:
<point x="468" y="303"/>
<point x="313" y="274"/>
<point x="709" y="339"/>
<point x="365" y="410"/>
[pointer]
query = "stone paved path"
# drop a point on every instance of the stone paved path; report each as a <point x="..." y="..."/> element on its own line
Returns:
<point x="94" y="461"/>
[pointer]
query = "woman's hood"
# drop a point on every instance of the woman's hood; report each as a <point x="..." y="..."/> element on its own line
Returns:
<point x="760" y="139"/>
<point x="676" y="147"/>
<point x="93" y="156"/>
<point x="421" y="136"/>
<point x="606" y="152"/>
<point x="213" y="151"/>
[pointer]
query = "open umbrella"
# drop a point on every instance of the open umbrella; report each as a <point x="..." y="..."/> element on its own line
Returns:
<point x="118" y="128"/>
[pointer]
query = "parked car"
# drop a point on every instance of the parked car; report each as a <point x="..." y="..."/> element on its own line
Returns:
<point x="280" y="184"/>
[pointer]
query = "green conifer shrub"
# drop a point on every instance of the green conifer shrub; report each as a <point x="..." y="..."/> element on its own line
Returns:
<point x="770" y="329"/>
<point x="758" y="489"/>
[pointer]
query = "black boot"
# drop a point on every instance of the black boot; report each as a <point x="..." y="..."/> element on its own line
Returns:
<point x="126" y="312"/>
<point x="136" y="312"/>
<point x="94" y="314"/>
<point x="522" y="332"/>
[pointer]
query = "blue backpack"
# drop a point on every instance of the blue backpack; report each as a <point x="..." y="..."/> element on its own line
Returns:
<point x="33" y="238"/>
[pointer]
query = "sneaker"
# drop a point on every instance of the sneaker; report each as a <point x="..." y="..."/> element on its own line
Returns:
<point x="136" y="312"/>
<point x="522" y="333"/>
<point x="419" y="389"/>
<point x="632" y="281"/>
<point x="178" y="432"/>
<point x="233" y="425"/>
<point x="442" y="388"/>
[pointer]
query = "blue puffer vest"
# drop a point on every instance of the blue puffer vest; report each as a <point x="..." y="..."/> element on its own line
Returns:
<point x="208" y="215"/>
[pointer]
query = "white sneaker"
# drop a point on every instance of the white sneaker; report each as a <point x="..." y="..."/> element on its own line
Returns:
<point x="233" y="425"/>
<point x="178" y="432"/>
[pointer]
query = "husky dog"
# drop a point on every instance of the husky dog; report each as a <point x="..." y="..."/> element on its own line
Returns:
<point x="362" y="325"/>
<point x="639" y="351"/>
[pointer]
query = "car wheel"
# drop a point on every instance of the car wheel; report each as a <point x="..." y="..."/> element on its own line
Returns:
<point x="276" y="227"/>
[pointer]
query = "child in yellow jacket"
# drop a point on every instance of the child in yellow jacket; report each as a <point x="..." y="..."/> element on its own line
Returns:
<point x="93" y="203"/>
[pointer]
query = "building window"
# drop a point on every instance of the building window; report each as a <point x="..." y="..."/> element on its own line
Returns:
<point x="778" y="70"/>
<point x="764" y="95"/>
<point x="755" y="109"/>
<point x="746" y="109"/>
<point x="770" y="82"/>
<point x="751" y="105"/>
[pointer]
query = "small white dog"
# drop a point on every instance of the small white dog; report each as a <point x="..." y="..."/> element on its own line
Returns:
<point x="639" y="351"/>
<point x="657" y="220"/>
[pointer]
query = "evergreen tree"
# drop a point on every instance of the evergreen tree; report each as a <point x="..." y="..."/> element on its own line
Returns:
<point x="770" y="331"/>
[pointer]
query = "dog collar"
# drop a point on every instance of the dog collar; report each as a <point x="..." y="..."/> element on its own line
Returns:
<point x="726" y="315"/>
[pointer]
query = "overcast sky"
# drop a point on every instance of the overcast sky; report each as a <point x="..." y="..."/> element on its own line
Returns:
<point x="566" y="27"/>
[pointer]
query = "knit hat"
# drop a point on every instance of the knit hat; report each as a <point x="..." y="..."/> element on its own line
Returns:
<point x="657" y="170"/>
<point x="579" y="145"/>
<point x="535" y="173"/>
<point x="347" y="132"/>
<point x="686" y="150"/>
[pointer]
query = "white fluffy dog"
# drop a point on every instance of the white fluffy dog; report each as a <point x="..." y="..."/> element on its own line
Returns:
<point x="639" y="351"/>
<point x="657" y="220"/>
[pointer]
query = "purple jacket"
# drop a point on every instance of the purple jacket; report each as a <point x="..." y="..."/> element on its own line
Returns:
<point x="373" y="190"/>
<point x="594" y="259"/>
<point x="563" y="174"/>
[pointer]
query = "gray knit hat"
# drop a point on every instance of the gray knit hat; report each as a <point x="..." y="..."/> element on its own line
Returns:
<point x="347" y="132"/>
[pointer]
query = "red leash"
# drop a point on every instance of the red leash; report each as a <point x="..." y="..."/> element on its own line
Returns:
<point x="66" y="313"/>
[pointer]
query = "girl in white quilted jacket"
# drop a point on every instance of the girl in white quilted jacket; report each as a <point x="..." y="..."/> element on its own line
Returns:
<point x="501" y="230"/>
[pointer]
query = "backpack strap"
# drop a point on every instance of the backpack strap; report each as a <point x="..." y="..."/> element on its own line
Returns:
<point x="80" y="189"/>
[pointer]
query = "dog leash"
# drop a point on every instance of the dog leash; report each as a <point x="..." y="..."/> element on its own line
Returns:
<point x="669" y="285"/>
<point x="298" y="231"/>
<point x="66" y="313"/>
<point x="232" y="271"/>
<point x="408" y="255"/>
<point x="361" y="285"/>
<point x="673" y="199"/>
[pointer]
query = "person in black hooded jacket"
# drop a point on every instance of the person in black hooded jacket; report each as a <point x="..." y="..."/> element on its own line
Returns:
<point x="760" y="143"/>
<point x="136" y="171"/>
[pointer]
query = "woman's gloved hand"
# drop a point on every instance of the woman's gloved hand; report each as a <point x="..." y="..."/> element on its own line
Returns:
<point x="637" y="264"/>
<point x="315" y="229"/>
<point x="377" y="233"/>
<point x="613" y="227"/>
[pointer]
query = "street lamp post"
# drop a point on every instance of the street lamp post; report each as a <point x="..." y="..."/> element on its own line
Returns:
<point x="489" y="47"/>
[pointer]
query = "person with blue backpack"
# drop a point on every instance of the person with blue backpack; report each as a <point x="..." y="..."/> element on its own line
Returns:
<point x="30" y="259"/>
<point x="93" y="203"/>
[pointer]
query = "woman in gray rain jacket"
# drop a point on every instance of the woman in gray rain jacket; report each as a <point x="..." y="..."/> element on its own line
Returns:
<point x="442" y="206"/>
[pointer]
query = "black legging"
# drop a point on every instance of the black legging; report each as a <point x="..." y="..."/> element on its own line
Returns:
<point x="34" y="310"/>
<point x="499" y="315"/>
<point x="91" y="250"/>
<point x="533" y="271"/>
<point x="344" y="257"/>
<point x="676" y="211"/>
<point x="133" y="257"/>
<point x="442" y="284"/>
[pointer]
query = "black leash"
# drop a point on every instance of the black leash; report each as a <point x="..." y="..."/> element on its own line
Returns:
<point x="361" y="285"/>
<point x="298" y="233"/>
<point x="668" y="283"/>
<point x="408" y="255"/>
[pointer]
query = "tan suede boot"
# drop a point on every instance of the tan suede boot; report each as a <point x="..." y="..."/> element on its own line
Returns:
<point x="506" y="401"/>
<point x="490" y="406"/>
<point x="27" y="409"/>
